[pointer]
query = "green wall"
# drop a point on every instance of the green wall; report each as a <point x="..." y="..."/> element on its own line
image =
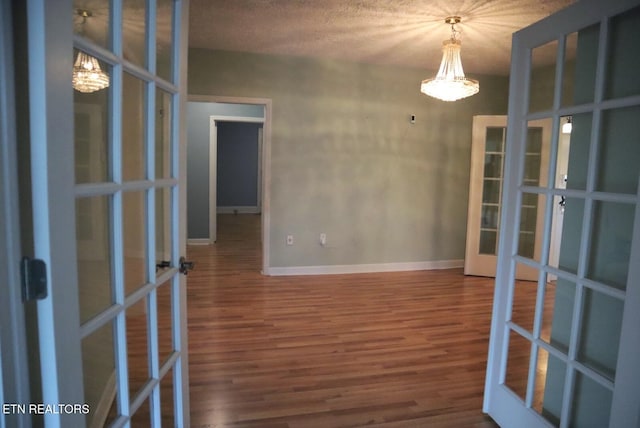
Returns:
<point x="347" y="162"/>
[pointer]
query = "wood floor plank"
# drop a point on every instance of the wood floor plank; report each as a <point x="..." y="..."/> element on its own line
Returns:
<point x="405" y="349"/>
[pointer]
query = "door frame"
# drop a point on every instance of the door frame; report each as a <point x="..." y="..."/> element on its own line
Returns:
<point x="213" y="168"/>
<point x="265" y="163"/>
<point x="14" y="373"/>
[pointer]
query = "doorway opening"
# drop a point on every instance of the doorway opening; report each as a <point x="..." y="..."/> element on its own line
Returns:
<point x="207" y="116"/>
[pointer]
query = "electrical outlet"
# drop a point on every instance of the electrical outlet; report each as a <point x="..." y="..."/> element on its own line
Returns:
<point x="323" y="239"/>
<point x="289" y="239"/>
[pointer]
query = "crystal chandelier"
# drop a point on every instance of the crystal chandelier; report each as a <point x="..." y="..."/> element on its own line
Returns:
<point x="87" y="74"/>
<point x="450" y="84"/>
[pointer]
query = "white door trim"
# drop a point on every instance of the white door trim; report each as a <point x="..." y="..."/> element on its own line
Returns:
<point x="213" y="180"/>
<point x="266" y="162"/>
<point x="213" y="167"/>
<point x="14" y="376"/>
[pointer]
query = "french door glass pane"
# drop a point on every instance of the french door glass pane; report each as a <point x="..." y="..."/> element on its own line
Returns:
<point x="142" y="417"/>
<point x="623" y="56"/>
<point x="580" y="66"/>
<point x="94" y="255"/>
<point x="600" y="332"/>
<point x="163" y="134"/>
<point x="133" y="144"/>
<point x="548" y="304"/>
<point x="490" y="217"/>
<point x="165" y="325"/>
<point x="493" y="165"/>
<point x="491" y="191"/>
<point x="610" y="250"/>
<point x="557" y="315"/>
<point x="542" y="82"/>
<point x="166" y="398"/>
<point x="494" y="142"/>
<point x="531" y="205"/>
<point x="554" y="383"/>
<point x="524" y="303"/>
<point x="488" y="242"/>
<point x="91" y="145"/>
<point x="492" y="177"/>
<point x="567" y="238"/>
<point x="569" y="69"/>
<point x="98" y="365"/>
<point x="620" y="160"/>
<point x="164" y="30"/>
<point x="92" y="20"/>
<point x="517" y="372"/>
<point x="163" y="228"/>
<point x="580" y="143"/>
<point x="562" y="155"/>
<point x="591" y="405"/>
<point x="134" y="31"/>
<point x="137" y="346"/>
<point x="135" y="239"/>
<point x="533" y="167"/>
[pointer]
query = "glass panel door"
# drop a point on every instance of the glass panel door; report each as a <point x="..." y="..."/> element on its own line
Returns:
<point x="485" y="193"/>
<point x="564" y="348"/>
<point x="126" y="196"/>
<point x="120" y="206"/>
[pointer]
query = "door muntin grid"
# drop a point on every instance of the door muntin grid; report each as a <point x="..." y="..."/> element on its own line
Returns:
<point x="139" y="213"/>
<point x="579" y="365"/>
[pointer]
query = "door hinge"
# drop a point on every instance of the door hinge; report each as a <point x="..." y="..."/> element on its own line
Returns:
<point x="33" y="274"/>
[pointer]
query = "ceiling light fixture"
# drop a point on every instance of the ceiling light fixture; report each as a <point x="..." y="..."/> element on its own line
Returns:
<point x="87" y="75"/>
<point x="566" y="127"/>
<point x="450" y="84"/>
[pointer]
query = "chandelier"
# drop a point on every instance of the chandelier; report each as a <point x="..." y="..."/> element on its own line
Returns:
<point x="87" y="75"/>
<point x="450" y="84"/>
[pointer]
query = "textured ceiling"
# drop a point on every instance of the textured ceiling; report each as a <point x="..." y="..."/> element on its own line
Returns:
<point x="395" y="32"/>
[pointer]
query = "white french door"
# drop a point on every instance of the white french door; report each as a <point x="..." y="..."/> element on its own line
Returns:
<point x="108" y="192"/>
<point x="485" y="194"/>
<point x="564" y="349"/>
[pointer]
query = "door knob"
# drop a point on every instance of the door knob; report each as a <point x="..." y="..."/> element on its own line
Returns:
<point x="163" y="264"/>
<point x="185" y="266"/>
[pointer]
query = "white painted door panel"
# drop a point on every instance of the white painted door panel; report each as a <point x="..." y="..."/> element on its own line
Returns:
<point x="563" y="350"/>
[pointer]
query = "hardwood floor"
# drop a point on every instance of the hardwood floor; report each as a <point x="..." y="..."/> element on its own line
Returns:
<point x="386" y="349"/>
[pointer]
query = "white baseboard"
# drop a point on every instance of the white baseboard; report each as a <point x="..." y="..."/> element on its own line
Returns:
<point x="363" y="268"/>
<point x="198" y="241"/>
<point x="238" y="210"/>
